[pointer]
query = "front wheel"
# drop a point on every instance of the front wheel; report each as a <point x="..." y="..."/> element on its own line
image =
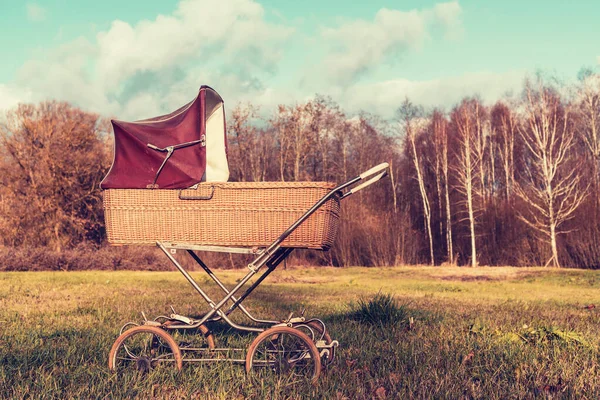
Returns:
<point x="285" y="351"/>
<point x="144" y="348"/>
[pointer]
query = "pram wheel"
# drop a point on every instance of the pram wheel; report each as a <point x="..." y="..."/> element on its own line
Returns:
<point x="286" y="351"/>
<point x="143" y="348"/>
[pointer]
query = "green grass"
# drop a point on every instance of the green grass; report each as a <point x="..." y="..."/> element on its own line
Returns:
<point x="404" y="332"/>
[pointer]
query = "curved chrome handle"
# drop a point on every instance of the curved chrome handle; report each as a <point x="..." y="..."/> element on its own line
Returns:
<point x="374" y="170"/>
<point x="376" y="173"/>
<point x="368" y="183"/>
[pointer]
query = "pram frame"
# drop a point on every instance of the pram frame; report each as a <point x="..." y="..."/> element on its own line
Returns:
<point x="271" y="257"/>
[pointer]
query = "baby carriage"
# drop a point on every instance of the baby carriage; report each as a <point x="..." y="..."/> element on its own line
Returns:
<point x="166" y="188"/>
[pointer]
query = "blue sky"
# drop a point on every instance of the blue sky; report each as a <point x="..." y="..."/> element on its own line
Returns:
<point x="134" y="59"/>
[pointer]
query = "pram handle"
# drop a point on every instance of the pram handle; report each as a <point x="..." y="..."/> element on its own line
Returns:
<point x="374" y="170"/>
<point x="376" y="173"/>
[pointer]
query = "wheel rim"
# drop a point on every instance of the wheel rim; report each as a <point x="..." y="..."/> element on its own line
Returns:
<point x="143" y="349"/>
<point x="283" y="353"/>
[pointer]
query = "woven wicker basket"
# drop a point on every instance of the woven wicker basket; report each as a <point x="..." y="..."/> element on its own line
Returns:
<point x="242" y="214"/>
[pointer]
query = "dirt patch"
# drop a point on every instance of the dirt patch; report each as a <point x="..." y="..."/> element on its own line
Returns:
<point x="492" y="274"/>
<point x="471" y="278"/>
<point x="530" y="274"/>
<point x="479" y="274"/>
<point x="293" y="279"/>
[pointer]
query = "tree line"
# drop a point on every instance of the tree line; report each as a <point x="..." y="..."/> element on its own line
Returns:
<point x="516" y="182"/>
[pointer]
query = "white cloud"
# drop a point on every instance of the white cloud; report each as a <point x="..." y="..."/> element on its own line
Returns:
<point x="197" y="30"/>
<point x="133" y="71"/>
<point x="358" y="46"/>
<point x="144" y="63"/>
<point x="35" y="12"/>
<point x="65" y="73"/>
<point x="449" y="15"/>
<point x="384" y="98"/>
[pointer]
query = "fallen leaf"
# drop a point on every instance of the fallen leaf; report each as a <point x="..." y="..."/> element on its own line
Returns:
<point x="395" y="378"/>
<point x="350" y="363"/>
<point x="468" y="358"/>
<point x="380" y="392"/>
<point x="340" y="396"/>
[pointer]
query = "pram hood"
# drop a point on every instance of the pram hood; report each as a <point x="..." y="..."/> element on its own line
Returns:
<point x="172" y="151"/>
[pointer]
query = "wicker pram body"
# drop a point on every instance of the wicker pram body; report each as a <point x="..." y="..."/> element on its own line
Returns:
<point x="245" y="214"/>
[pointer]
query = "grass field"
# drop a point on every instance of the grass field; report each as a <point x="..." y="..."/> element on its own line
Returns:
<point x="476" y="333"/>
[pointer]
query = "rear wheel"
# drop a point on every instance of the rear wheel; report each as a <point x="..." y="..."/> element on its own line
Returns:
<point x="144" y="348"/>
<point x="284" y="351"/>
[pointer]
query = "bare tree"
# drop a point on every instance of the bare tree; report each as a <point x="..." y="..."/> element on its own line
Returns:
<point x="467" y="166"/>
<point x="280" y="123"/>
<point x="297" y="138"/>
<point x="250" y="147"/>
<point x="437" y="170"/>
<point x="480" y="148"/>
<point x="589" y="128"/>
<point x="504" y="125"/>
<point x="241" y="143"/>
<point x="440" y="133"/>
<point x="411" y="118"/>
<point x="552" y="187"/>
<point x="324" y="119"/>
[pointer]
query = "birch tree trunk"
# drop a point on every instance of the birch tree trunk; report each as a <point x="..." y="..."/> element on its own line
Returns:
<point x="467" y="167"/>
<point x="409" y="115"/>
<point x="424" y="198"/>
<point x="504" y="128"/>
<point x="440" y="133"/>
<point x="468" y="186"/>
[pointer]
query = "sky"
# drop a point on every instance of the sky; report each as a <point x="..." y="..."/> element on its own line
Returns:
<point x="136" y="59"/>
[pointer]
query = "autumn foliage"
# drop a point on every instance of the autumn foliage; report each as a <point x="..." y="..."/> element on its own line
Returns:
<point x="53" y="158"/>
<point x="511" y="183"/>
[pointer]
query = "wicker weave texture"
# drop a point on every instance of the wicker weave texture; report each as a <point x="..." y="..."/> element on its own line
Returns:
<point x="242" y="214"/>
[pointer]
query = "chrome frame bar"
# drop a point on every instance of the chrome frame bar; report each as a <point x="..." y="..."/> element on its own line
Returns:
<point x="220" y="284"/>
<point x="215" y="308"/>
<point x="216" y="249"/>
<point x="271" y="267"/>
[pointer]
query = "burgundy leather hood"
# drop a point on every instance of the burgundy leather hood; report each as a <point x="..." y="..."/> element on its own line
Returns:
<point x="141" y="147"/>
